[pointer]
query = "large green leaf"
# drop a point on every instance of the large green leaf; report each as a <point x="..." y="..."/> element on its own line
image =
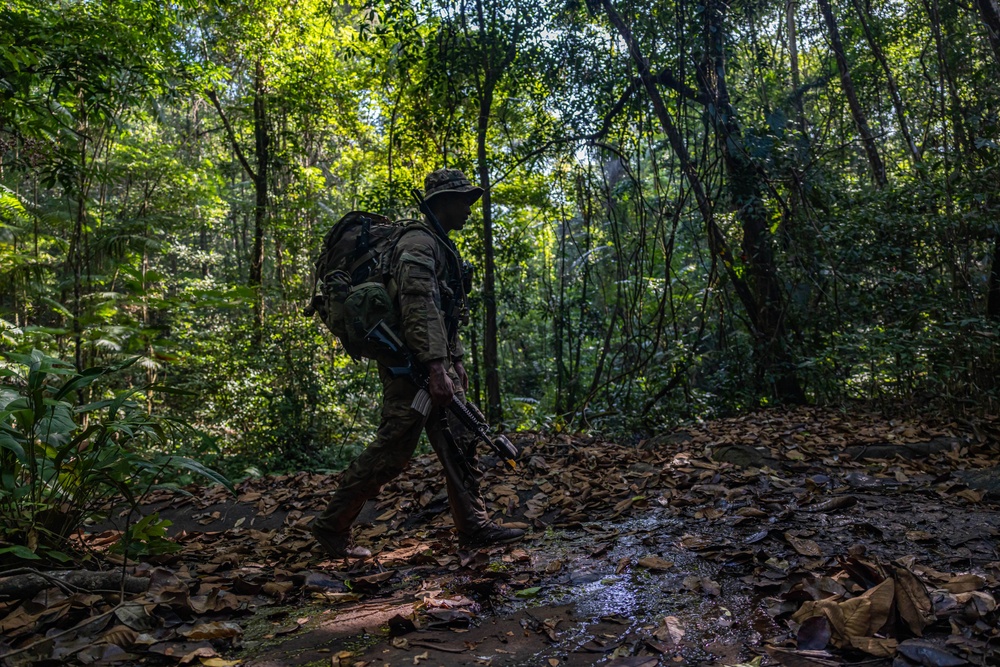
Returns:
<point x="204" y="471"/>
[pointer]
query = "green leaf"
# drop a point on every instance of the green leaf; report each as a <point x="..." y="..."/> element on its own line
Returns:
<point x="8" y="442"/>
<point x="20" y="552"/>
<point x="528" y="592"/>
<point x="194" y="466"/>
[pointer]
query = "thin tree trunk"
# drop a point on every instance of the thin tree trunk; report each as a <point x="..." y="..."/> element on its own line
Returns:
<point x="716" y="240"/>
<point x="793" y="59"/>
<point x="857" y="113"/>
<point x="744" y="186"/>
<point x="560" y="318"/>
<point x="993" y="294"/>
<point x="261" y="141"/>
<point x="494" y="410"/>
<point x="965" y="143"/>
<point x="766" y="317"/>
<point x="989" y="12"/>
<point x="897" y="101"/>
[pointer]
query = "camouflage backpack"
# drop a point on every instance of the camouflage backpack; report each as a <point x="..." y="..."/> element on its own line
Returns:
<point x="350" y="273"/>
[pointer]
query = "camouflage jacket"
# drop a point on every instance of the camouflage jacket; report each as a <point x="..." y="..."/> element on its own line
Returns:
<point x="429" y="294"/>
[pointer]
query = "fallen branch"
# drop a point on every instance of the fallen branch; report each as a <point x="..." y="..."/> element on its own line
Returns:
<point x="23" y="586"/>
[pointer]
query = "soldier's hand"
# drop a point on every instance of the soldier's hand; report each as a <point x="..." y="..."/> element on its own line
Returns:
<point x="441" y="387"/>
<point x="463" y="377"/>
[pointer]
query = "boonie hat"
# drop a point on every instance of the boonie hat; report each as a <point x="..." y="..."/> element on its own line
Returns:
<point x="454" y="181"/>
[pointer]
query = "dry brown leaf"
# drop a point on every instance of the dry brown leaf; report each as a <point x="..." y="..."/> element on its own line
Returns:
<point x="212" y="630"/>
<point x="877" y="646"/>
<point x="881" y="597"/>
<point x="857" y="618"/>
<point x="655" y="563"/>
<point x="912" y="602"/>
<point x="670" y="631"/>
<point x="120" y="634"/>
<point x="789" y="658"/>
<point x="963" y="583"/>
<point x="803" y="546"/>
<point x="200" y="652"/>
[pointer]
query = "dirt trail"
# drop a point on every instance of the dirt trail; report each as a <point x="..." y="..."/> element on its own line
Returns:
<point x="774" y="538"/>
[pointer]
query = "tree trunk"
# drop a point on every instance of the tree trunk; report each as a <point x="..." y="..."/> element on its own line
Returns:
<point x="993" y="294"/>
<point x="261" y="141"/>
<point x="897" y="101"/>
<point x="494" y="410"/>
<point x="860" y="120"/>
<point x="793" y="59"/>
<point x="989" y="11"/>
<point x="773" y="367"/>
<point x="559" y="322"/>
<point x="766" y="319"/>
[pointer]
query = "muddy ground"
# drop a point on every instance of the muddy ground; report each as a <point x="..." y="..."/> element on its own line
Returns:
<point x="805" y="538"/>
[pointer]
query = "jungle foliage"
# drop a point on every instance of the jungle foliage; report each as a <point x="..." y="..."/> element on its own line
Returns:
<point x="694" y="208"/>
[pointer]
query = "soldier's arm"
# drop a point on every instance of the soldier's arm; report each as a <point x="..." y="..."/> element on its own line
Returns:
<point x="423" y="323"/>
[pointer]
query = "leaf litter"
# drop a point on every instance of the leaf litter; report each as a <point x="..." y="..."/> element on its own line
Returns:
<point x="773" y="538"/>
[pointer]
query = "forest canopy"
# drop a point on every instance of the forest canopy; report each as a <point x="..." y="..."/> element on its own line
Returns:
<point x="692" y="208"/>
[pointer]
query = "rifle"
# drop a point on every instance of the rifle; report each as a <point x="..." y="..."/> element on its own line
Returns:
<point x="468" y="414"/>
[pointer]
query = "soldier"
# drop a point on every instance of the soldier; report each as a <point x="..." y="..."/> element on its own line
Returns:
<point x="426" y="282"/>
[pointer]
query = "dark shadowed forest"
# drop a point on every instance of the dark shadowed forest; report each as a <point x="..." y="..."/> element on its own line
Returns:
<point x="694" y="210"/>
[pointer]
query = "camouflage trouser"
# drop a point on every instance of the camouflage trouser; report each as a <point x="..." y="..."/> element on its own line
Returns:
<point x="387" y="456"/>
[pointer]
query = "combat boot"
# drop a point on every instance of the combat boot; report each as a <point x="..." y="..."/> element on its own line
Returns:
<point x="339" y="545"/>
<point x="489" y="535"/>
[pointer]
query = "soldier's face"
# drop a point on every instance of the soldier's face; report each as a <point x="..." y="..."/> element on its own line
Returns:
<point x="453" y="213"/>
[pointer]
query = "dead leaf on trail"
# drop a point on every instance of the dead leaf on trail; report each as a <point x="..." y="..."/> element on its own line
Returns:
<point x="277" y="589"/>
<point x="876" y="646"/>
<point x="697" y="584"/>
<point x="860" y="616"/>
<point x="814" y="634"/>
<point x="832" y="504"/>
<point x="929" y="655"/>
<point x="971" y="495"/>
<point x="912" y="602"/>
<point x="751" y="512"/>
<point x="120" y="634"/>
<point x="105" y="654"/>
<point x="655" y="563"/>
<point x="212" y="630"/>
<point x="371" y="582"/>
<point x="963" y="583"/>
<point x="697" y="543"/>
<point x="789" y="658"/>
<point x="803" y="546"/>
<point x="971" y="606"/>
<point x="183" y="650"/>
<point x="670" y="631"/>
<point x="337" y="598"/>
<point x="919" y="536"/>
<point x="635" y="661"/>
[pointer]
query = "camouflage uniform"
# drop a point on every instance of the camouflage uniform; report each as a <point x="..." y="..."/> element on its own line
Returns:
<point x="431" y="299"/>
